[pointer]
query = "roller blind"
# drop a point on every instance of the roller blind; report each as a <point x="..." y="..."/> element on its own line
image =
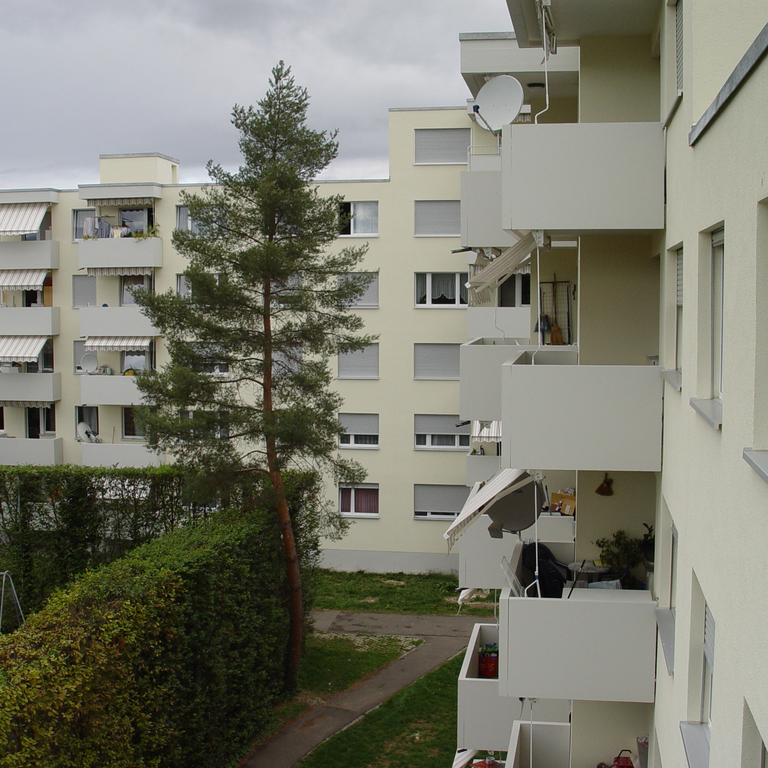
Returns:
<point x="434" y="424"/>
<point x="437" y="217"/>
<point x="442" y="145"/>
<point x="360" y="423"/>
<point x="679" y="277"/>
<point x="370" y="298"/>
<point x="436" y="361"/>
<point x="446" y="499"/>
<point x="363" y="364"/>
<point x="83" y="291"/>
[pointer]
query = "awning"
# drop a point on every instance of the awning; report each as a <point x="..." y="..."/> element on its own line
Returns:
<point x="21" y="218"/>
<point x="93" y="202"/>
<point x="21" y="349"/>
<point x="482" y="496"/>
<point x="486" y="431"/>
<point x="25" y="404"/>
<point x="111" y="271"/>
<point x="503" y="266"/>
<point x="116" y="343"/>
<point x="22" y="279"/>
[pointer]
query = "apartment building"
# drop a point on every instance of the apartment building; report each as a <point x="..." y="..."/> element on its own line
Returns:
<point x="640" y="183"/>
<point x="70" y="334"/>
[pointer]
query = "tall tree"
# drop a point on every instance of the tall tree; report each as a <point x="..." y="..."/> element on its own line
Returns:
<point x="247" y="388"/>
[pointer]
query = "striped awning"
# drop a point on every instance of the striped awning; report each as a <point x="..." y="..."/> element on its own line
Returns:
<point x="116" y="343"/>
<point x="21" y="218"/>
<point x="486" y="431"/>
<point x="110" y="271"/>
<point x="93" y="202"/>
<point x="503" y="266"/>
<point x="24" y="404"/>
<point x="22" y="279"/>
<point x="21" y="349"/>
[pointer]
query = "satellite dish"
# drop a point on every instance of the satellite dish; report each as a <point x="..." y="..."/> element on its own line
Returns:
<point x="499" y="102"/>
<point x="89" y="362"/>
<point x="85" y="434"/>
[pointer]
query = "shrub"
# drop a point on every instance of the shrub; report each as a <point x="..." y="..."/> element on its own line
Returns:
<point x="170" y="657"/>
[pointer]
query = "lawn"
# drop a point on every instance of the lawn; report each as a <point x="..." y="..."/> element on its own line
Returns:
<point x="433" y="593"/>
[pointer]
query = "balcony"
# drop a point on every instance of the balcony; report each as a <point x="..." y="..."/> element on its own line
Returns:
<point x="481" y="222"/>
<point x="539" y="745"/>
<point x="583" y="177"/>
<point x="480" y="364"/>
<point x="499" y="322"/>
<point x="115" y="321"/>
<point x="115" y="252"/>
<point x="108" y="390"/>
<point x="29" y="321"/>
<point x="29" y="254"/>
<point x="118" y="454"/>
<point x="585" y="417"/>
<point x="29" y="387"/>
<point x="597" y="645"/>
<point x="17" y="451"/>
<point x="480" y="468"/>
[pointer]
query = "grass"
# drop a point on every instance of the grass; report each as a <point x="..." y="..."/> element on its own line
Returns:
<point x="417" y="726"/>
<point x="433" y="593"/>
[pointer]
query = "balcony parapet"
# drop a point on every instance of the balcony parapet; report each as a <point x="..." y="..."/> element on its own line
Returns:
<point x="117" y="252"/>
<point x="29" y="254"/>
<point x="115" y="321"/>
<point x="118" y="454"/>
<point x="30" y="387"/>
<point x="109" y="390"/>
<point x="29" y="321"/>
<point x="18" y="451"/>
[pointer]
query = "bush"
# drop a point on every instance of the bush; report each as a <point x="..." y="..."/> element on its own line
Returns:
<point x="170" y="657"/>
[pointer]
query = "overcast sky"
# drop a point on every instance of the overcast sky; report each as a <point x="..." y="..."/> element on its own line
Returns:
<point x="91" y="77"/>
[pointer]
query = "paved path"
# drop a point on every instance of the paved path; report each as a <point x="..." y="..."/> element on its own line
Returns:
<point x="444" y="637"/>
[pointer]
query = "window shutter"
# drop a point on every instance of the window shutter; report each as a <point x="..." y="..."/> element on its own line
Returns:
<point x="371" y="296"/>
<point x="438" y="217"/>
<point x="83" y="291"/>
<point x="360" y="423"/>
<point x="436" y="361"/>
<point x="433" y="424"/>
<point x="718" y="238"/>
<point x="442" y="145"/>
<point x="679" y="277"/>
<point x="679" y="44"/>
<point x="78" y="350"/>
<point x="363" y="364"/>
<point x="709" y="637"/>
<point x="445" y="499"/>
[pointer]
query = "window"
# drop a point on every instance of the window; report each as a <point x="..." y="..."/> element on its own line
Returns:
<point x="184" y="220"/>
<point x="436" y="361"/>
<point x="83" y="291"/>
<point x="679" y="308"/>
<point x="89" y="415"/>
<point x="708" y="666"/>
<point x="435" y="432"/>
<point x="137" y="359"/>
<point x="204" y="424"/>
<point x="441" y="145"/>
<point x="128" y="283"/>
<point x="78" y="350"/>
<point x="361" y="430"/>
<point x="41" y="421"/>
<point x="130" y="428"/>
<point x="359" y="218"/>
<point x="438" y="502"/>
<point x="515" y="291"/>
<point x="362" y="364"/>
<point x="441" y="289"/>
<point x="44" y="362"/>
<point x="718" y="256"/>
<point x="437" y="218"/>
<point x="673" y="569"/>
<point x="84" y="223"/>
<point x="360" y="501"/>
<point x="182" y="287"/>
<point x="369" y="299"/>
<point x="135" y="220"/>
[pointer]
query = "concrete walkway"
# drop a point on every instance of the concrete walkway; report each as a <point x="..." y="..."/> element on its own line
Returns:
<point x="444" y="637"/>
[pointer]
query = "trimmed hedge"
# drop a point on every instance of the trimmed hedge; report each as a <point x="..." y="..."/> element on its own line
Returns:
<point x="171" y="657"/>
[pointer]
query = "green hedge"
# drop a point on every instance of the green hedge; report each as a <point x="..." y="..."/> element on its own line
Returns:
<point x="170" y="657"/>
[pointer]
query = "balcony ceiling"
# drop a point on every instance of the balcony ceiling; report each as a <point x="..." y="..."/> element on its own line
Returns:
<point x="576" y="19"/>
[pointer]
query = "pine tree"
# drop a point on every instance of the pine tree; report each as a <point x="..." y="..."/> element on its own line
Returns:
<point x="247" y="388"/>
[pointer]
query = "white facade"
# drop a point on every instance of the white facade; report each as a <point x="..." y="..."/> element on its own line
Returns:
<point x="654" y="169"/>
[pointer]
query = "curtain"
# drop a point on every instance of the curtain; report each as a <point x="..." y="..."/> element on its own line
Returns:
<point x="421" y="288"/>
<point x="366" y="501"/>
<point x="443" y="288"/>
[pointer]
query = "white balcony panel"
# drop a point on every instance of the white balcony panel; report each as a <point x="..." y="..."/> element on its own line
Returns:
<point x="29" y="321"/>
<point x="115" y="321"/>
<point x="17" y="451"/>
<point x="485" y="718"/>
<point x="499" y="322"/>
<point x="118" y="454"/>
<point x="551" y="744"/>
<point x="590" y="417"/>
<point x="481" y="222"/>
<point x="599" y="645"/>
<point x="120" y="252"/>
<point x="480" y="362"/>
<point x="583" y="177"/>
<point x="30" y="387"/>
<point x="480" y="468"/>
<point x="30" y="254"/>
<point x="109" y="390"/>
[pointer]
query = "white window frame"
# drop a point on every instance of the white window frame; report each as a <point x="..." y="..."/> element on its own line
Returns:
<point x="43" y="419"/>
<point x="446" y="141"/>
<point x="149" y="359"/>
<point x="126" y="299"/>
<point x="679" y="308"/>
<point x="75" y="229"/>
<point x="91" y="281"/>
<point x="90" y="415"/>
<point x="437" y="514"/>
<point x="184" y="220"/>
<point x="358" y="230"/>
<point x="424" y="433"/>
<point x="460" y="278"/>
<point x="353" y="490"/>
<point x="125" y="436"/>
<point x="426" y="216"/>
<point x="183" y="289"/>
<point x="460" y="442"/>
<point x="360" y="440"/>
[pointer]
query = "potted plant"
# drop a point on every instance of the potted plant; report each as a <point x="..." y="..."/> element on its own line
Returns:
<point x="621" y="552"/>
<point x="488" y="660"/>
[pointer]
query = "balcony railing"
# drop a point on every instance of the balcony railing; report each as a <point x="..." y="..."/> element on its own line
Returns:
<point x="30" y="387"/>
<point x="109" y="390"/>
<point x="118" y="454"/>
<point x="17" y="451"/>
<point x="29" y="254"/>
<point x="112" y="252"/>
<point x="115" y="321"/>
<point x="29" y="321"/>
